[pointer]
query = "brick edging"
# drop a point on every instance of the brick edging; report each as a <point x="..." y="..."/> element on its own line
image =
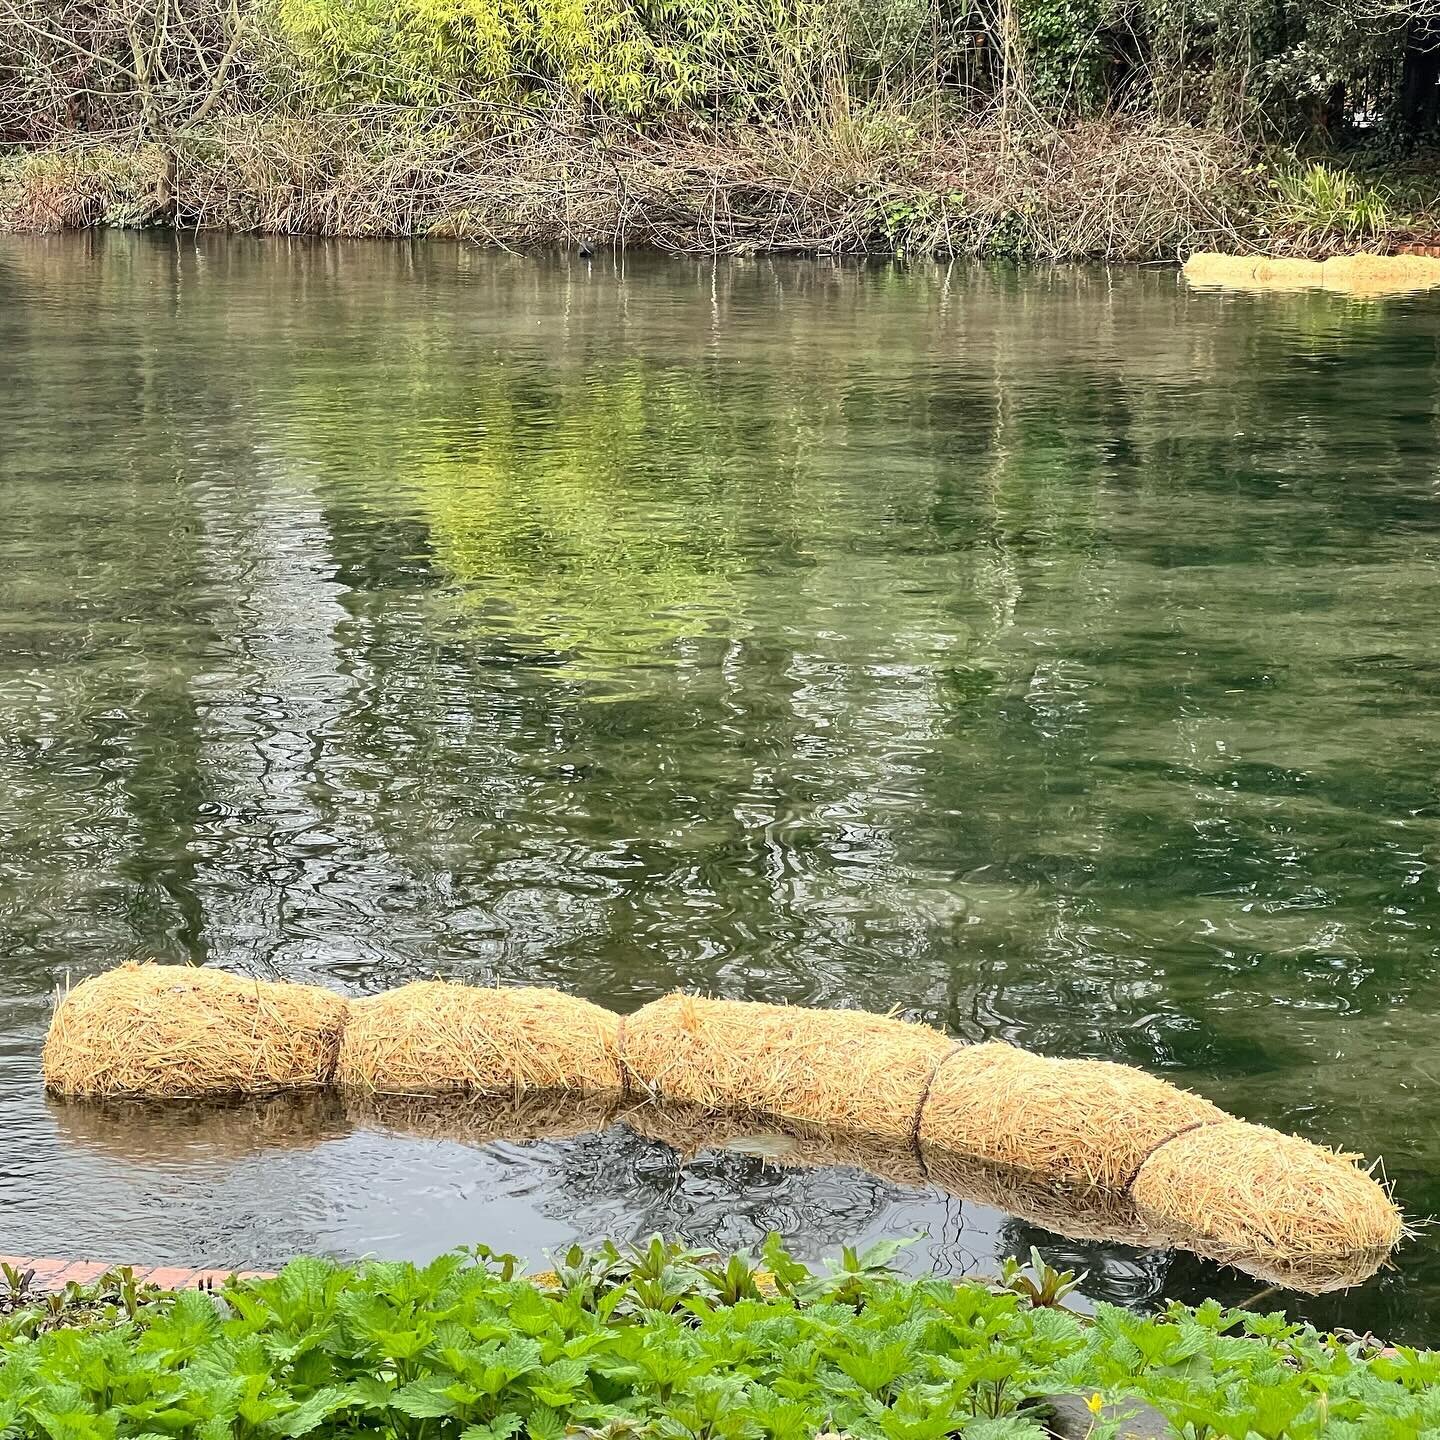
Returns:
<point x="50" y="1274"/>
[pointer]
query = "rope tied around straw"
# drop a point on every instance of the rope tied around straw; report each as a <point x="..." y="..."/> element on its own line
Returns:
<point x="939" y="1065"/>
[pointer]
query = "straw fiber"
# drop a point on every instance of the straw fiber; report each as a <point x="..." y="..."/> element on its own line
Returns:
<point x="433" y="1038"/>
<point x="181" y="1032"/>
<point x="1077" y="1122"/>
<point x="844" y="1070"/>
<point x="1247" y="1193"/>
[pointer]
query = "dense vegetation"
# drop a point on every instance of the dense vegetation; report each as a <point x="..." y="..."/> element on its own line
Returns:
<point x="991" y="126"/>
<point x="676" y="1346"/>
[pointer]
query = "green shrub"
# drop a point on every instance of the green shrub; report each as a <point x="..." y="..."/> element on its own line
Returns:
<point x="678" y="1346"/>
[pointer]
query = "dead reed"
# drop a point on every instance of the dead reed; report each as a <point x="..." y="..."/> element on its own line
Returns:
<point x="859" y="180"/>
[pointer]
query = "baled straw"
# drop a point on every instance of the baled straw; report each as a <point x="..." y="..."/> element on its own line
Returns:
<point x="1206" y="267"/>
<point x="1287" y="274"/>
<point x="690" y="1130"/>
<point x="181" y="1032"/>
<point x="1380" y="274"/>
<point x="1250" y="1196"/>
<point x="182" y="1133"/>
<point x="433" y="1038"/>
<point x="844" y="1070"/>
<point x="1075" y="1122"/>
<point x="481" y="1120"/>
<point x="1080" y="1212"/>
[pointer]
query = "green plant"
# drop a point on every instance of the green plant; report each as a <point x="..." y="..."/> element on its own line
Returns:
<point x="664" y="1342"/>
<point x="1318" y="203"/>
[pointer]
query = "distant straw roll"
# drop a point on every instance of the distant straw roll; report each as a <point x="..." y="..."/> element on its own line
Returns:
<point x="844" y="1070"/>
<point x="1077" y="1122"/>
<point x="1282" y="274"/>
<point x="1380" y="274"/>
<point x="1249" y="1196"/>
<point x="1207" y="267"/>
<point x="434" y="1038"/>
<point x="174" y="1032"/>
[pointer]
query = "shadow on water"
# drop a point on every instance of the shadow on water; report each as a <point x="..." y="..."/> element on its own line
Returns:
<point x="1046" y="655"/>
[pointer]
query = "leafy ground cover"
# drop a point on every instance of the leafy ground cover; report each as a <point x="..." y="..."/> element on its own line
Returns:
<point x="673" y="1345"/>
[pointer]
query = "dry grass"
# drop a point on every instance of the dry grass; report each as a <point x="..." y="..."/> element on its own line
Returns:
<point x="843" y="1070"/>
<point x="182" y="1133"/>
<point x="691" y="1130"/>
<point x="1074" y="1122"/>
<point x="1250" y="1196"/>
<point x="485" y="1119"/>
<point x="434" y="1038"/>
<point x="176" y="1032"/>
<point x="846" y="180"/>
<point x="1081" y="1212"/>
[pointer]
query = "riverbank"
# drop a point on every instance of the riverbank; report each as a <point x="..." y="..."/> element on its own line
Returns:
<point x="872" y="182"/>
<point x="659" y="1340"/>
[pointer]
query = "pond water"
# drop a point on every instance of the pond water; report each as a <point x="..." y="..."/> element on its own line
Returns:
<point x="1051" y="656"/>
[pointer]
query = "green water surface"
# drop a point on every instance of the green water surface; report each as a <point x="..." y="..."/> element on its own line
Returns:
<point x="1051" y="656"/>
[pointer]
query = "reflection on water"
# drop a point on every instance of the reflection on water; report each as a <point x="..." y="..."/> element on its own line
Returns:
<point x="1047" y="656"/>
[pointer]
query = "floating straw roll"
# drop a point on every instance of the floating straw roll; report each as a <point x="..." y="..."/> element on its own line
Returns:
<point x="1075" y="1122"/>
<point x="1283" y="274"/>
<point x="844" y="1070"/>
<point x="1380" y="274"/>
<point x="690" y="1130"/>
<point x="180" y="1032"/>
<point x="434" y="1038"/>
<point x="1207" y="267"/>
<point x="1250" y="1196"/>
<point x="481" y="1120"/>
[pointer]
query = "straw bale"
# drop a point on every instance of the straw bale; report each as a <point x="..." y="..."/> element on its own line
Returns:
<point x="178" y="1032"/>
<point x="1380" y="274"/>
<point x="1081" y="1212"/>
<point x="183" y="1132"/>
<point x="843" y="1070"/>
<point x="1284" y="274"/>
<point x="1209" y="268"/>
<point x="433" y="1037"/>
<point x="690" y="1130"/>
<point x="480" y="1120"/>
<point x="1248" y="1195"/>
<point x="1081" y="1122"/>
